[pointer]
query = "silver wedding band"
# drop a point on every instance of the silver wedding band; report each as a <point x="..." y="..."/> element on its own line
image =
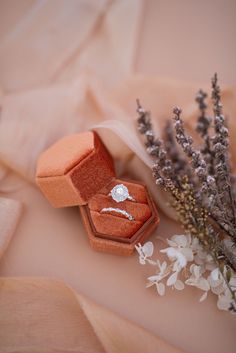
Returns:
<point x="117" y="210"/>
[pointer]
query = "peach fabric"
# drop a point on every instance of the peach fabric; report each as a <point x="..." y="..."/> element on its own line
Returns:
<point x="76" y="324"/>
<point x="10" y="211"/>
<point x="65" y="69"/>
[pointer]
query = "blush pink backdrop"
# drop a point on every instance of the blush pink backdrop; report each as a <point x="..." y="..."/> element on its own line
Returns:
<point x="68" y="66"/>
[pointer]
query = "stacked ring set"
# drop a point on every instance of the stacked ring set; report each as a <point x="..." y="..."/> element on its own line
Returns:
<point x="79" y="171"/>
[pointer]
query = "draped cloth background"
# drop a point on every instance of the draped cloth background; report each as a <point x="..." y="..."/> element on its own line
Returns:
<point x="67" y="66"/>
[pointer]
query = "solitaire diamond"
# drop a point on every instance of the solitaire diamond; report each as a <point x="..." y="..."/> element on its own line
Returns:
<point x="120" y="193"/>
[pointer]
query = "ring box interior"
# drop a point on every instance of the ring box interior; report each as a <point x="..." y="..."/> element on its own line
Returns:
<point x="79" y="171"/>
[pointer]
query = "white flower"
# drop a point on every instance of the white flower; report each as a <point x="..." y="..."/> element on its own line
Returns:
<point x="197" y="280"/>
<point x="179" y="251"/>
<point x="176" y="255"/>
<point x="187" y="254"/>
<point x="156" y="279"/>
<point x="175" y="282"/>
<point x="217" y="282"/>
<point x="203" y="297"/>
<point x="203" y="258"/>
<point x="224" y="300"/>
<point x="215" y="274"/>
<point x="172" y="279"/>
<point x="179" y="241"/>
<point x="145" y="251"/>
<point x="225" y="296"/>
<point x="217" y="287"/>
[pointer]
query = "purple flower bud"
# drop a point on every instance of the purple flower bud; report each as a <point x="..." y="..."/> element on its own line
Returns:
<point x="177" y="111"/>
<point x="166" y="169"/>
<point x="219" y="148"/>
<point x="202" y="164"/>
<point x="159" y="181"/>
<point x="188" y="149"/>
<point x="152" y="150"/>
<point x="210" y="180"/>
<point x="162" y="154"/>
<point x="224" y="131"/>
<point x="140" y="110"/>
<point x="177" y="124"/>
<point x="200" y="172"/>
<point x="190" y="140"/>
<point x="149" y="133"/>
<point x="204" y="188"/>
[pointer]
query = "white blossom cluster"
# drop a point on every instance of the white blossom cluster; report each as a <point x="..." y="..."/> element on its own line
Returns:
<point x="187" y="264"/>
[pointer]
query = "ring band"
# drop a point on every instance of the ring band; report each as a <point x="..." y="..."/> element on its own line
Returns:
<point x="120" y="193"/>
<point x="117" y="210"/>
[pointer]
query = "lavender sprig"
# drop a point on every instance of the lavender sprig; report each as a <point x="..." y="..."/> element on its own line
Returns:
<point x="203" y="120"/>
<point x="208" y="192"/>
<point x="220" y="144"/>
<point x="199" y="166"/>
<point x="197" y="188"/>
<point x="203" y="127"/>
<point x="163" y="167"/>
<point x="180" y="164"/>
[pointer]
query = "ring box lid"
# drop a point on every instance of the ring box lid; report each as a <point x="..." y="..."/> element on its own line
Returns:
<point x="74" y="169"/>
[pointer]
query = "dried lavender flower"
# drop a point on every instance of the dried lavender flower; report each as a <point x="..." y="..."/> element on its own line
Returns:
<point x="209" y="192"/>
<point x="203" y="128"/>
<point x="162" y="168"/>
<point x="201" y="191"/>
<point x="179" y="164"/>
<point x="220" y="143"/>
<point x="204" y="122"/>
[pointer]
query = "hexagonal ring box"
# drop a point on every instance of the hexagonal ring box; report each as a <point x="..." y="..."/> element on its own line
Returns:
<point x="79" y="171"/>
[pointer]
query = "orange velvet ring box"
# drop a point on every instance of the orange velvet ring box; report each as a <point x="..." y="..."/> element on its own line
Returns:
<point x="79" y="171"/>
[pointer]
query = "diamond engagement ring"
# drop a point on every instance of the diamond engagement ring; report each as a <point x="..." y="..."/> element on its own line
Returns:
<point x="117" y="210"/>
<point x="120" y="193"/>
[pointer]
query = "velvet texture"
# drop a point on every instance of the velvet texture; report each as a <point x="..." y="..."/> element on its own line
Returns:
<point x="116" y="224"/>
<point x="74" y="169"/>
<point x="111" y="243"/>
<point x="113" y="233"/>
